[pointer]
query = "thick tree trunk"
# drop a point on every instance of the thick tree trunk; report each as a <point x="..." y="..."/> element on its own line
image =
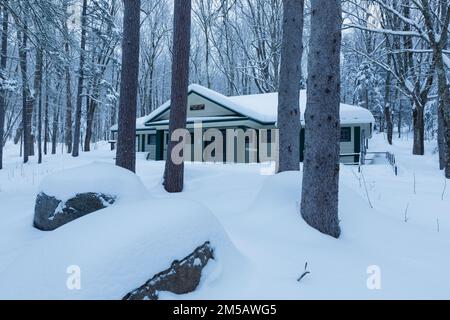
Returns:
<point x="419" y="131"/>
<point x="289" y="90"/>
<point x="76" y="137"/>
<point x="443" y="115"/>
<point x="320" y="189"/>
<point x="126" y="143"/>
<point x="3" y="60"/>
<point x="174" y="172"/>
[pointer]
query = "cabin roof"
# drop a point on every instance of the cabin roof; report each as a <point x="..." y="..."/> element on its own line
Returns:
<point x="262" y="108"/>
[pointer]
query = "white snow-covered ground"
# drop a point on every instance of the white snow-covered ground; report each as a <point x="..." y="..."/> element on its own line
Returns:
<point x="405" y="236"/>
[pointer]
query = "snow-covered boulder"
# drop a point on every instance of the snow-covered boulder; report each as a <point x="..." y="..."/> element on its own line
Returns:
<point x="182" y="277"/>
<point x="71" y="194"/>
<point x="110" y="253"/>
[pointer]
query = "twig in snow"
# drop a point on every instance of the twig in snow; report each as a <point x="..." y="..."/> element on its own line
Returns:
<point x="305" y="273"/>
<point x="445" y="188"/>
<point x="406" y="213"/>
<point x="438" y="226"/>
<point x="415" y="183"/>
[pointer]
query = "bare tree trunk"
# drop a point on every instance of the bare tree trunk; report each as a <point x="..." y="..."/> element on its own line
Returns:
<point x="289" y="91"/>
<point x="26" y="116"/>
<point x="38" y="97"/>
<point x="400" y="117"/>
<point x="441" y="138"/>
<point x="174" y="173"/>
<point x="68" y="129"/>
<point x="46" y="124"/>
<point x="322" y="141"/>
<point x="419" y="131"/>
<point x="387" y="103"/>
<point x="55" y="129"/>
<point x="3" y="60"/>
<point x="91" y="107"/>
<point x="126" y="142"/>
<point x="76" y="138"/>
<point x="443" y="116"/>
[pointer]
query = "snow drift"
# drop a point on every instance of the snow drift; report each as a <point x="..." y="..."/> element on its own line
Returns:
<point x="115" y="250"/>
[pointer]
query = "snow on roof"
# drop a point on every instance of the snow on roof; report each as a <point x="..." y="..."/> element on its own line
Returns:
<point x="267" y="105"/>
<point x="260" y="107"/>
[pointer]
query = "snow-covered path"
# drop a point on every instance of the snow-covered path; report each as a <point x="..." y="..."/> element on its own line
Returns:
<point x="261" y="216"/>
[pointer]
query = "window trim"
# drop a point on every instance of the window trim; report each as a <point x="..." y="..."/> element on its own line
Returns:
<point x="346" y="134"/>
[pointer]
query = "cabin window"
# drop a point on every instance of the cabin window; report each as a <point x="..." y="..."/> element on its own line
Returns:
<point x="346" y="134"/>
<point x="197" y="107"/>
<point x="151" y="139"/>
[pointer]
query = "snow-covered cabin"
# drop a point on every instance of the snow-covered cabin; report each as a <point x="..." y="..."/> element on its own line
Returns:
<point x="259" y="111"/>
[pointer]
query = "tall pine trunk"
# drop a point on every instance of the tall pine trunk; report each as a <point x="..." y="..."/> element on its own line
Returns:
<point x="68" y="128"/>
<point x="55" y="126"/>
<point x="320" y="189"/>
<point x="38" y="97"/>
<point x="387" y="104"/>
<point x="443" y="116"/>
<point x="22" y="38"/>
<point x="77" y="131"/>
<point x="3" y="60"/>
<point x="91" y="107"/>
<point x="174" y="172"/>
<point x="289" y="90"/>
<point x="46" y="124"/>
<point x="126" y="142"/>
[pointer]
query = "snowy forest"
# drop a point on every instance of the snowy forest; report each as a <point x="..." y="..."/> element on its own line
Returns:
<point x="61" y="63"/>
<point x="180" y="149"/>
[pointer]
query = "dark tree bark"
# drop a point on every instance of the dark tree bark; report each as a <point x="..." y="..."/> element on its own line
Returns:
<point x="22" y="38"/>
<point x="3" y="60"/>
<point x="174" y="173"/>
<point x="38" y="97"/>
<point x="418" y="131"/>
<point x="68" y="129"/>
<point x="92" y="106"/>
<point x="55" y="126"/>
<point x="289" y="90"/>
<point x="320" y="189"/>
<point x="46" y="124"/>
<point x="76" y="137"/>
<point x="126" y="142"/>
<point x="387" y="104"/>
